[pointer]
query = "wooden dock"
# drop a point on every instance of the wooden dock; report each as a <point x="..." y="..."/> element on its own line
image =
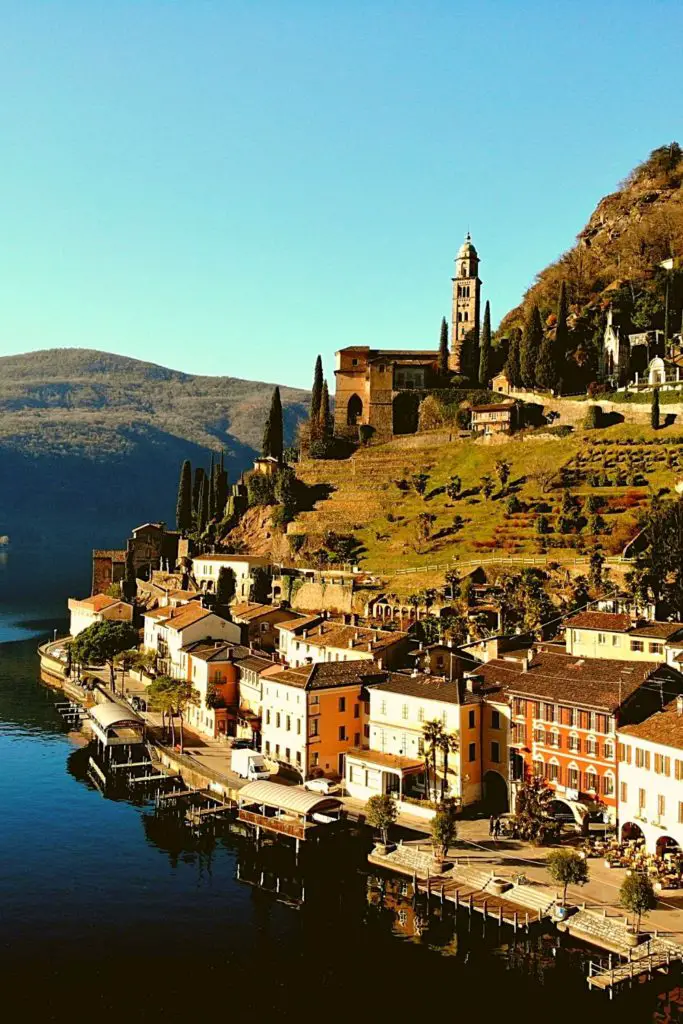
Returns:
<point x="660" y="959"/>
<point x="477" y="900"/>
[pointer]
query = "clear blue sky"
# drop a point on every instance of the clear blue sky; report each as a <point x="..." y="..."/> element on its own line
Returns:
<point x="231" y="188"/>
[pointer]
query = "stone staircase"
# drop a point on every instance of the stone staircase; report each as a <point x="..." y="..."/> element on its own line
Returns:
<point x="409" y="860"/>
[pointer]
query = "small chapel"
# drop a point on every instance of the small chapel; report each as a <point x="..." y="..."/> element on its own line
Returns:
<point x="376" y="387"/>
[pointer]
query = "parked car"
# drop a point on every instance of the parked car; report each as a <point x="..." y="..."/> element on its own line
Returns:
<point x="322" y="785"/>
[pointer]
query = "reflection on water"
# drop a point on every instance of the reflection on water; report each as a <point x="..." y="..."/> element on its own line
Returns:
<point x="139" y="917"/>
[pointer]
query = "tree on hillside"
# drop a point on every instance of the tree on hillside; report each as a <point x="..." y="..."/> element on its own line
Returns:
<point x="561" y="345"/>
<point x="316" y="395"/>
<point x="100" y="643"/>
<point x="654" y="410"/>
<point x="469" y="355"/>
<point x="199" y="475"/>
<point x="183" y="509"/>
<point x="129" y="587"/>
<point x="211" y="495"/>
<point x="443" y="348"/>
<point x="454" y="487"/>
<point x="658" y="571"/>
<point x="530" y="347"/>
<point x="325" y="419"/>
<point x="220" y="487"/>
<point x="202" y="519"/>
<point x="485" y="348"/>
<point x="503" y="468"/>
<point x="546" y="366"/>
<point x="487" y="485"/>
<point x="512" y="368"/>
<point x="567" y="867"/>
<point x="273" y="443"/>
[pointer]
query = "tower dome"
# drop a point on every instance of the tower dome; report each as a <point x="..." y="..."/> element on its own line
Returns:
<point x="467" y="248"/>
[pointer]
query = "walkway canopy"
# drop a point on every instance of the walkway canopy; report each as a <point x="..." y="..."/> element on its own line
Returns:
<point x="115" y="725"/>
<point x="292" y="799"/>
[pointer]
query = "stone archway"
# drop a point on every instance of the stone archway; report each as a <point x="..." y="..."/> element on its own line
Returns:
<point x="631" y="830"/>
<point x="665" y="844"/>
<point x="354" y="411"/>
<point x="495" y="793"/>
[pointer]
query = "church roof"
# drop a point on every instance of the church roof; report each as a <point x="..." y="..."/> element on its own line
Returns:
<point x="467" y="248"/>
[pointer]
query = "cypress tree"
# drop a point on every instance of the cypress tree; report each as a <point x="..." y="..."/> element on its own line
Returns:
<point x="198" y="477"/>
<point x="273" y="443"/>
<point x="220" y="487"/>
<point x="546" y="366"/>
<point x="530" y="347"/>
<point x="211" y="503"/>
<point x="203" y="506"/>
<point x="316" y="393"/>
<point x="183" y="509"/>
<point x="512" y="362"/>
<point x="443" y="348"/>
<point x="485" y="348"/>
<point x="561" y="336"/>
<point x="654" y="410"/>
<point x="326" y="427"/>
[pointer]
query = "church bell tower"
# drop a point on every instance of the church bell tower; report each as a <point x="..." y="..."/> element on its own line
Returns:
<point x="466" y="304"/>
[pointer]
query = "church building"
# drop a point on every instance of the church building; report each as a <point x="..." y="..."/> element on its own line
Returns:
<point x="380" y="388"/>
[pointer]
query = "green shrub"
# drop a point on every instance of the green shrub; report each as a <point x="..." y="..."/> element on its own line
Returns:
<point x="594" y="417"/>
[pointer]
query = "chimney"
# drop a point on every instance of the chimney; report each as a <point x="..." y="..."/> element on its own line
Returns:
<point x="350" y="644"/>
<point x="679" y="704"/>
<point x="355" y="635"/>
<point x="369" y="645"/>
<point x="320" y="629"/>
<point x="304" y="633"/>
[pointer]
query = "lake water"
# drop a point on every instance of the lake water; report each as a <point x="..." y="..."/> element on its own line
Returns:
<point x="110" y="911"/>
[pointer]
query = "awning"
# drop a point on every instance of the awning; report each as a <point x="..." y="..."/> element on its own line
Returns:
<point x="378" y="759"/>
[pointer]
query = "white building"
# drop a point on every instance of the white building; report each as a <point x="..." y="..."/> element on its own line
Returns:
<point x="98" y="608"/>
<point x="312" y="639"/>
<point x="651" y="777"/>
<point x="168" y="629"/>
<point x="206" y="570"/>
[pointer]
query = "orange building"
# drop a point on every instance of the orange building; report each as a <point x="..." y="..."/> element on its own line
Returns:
<point x="209" y="665"/>
<point x="314" y="714"/>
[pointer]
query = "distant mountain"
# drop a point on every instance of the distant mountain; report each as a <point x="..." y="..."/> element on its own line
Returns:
<point x="91" y="442"/>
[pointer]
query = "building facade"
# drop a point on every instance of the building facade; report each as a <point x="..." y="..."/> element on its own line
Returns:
<point x="97" y="609"/>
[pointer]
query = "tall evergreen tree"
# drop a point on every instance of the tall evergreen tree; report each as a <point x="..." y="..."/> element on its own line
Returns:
<point x="273" y="443"/>
<point x="326" y="425"/>
<point x="485" y="348"/>
<point x="562" y="335"/>
<point x="654" y="410"/>
<point x="183" y="509"/>
<point x="443" y="348"/>
<point x="129" y="586"/>
<point x="211" y="503"/>
<point x="316" y="393"/>
<point x="199" y="475"/>
<point x="512" y="371"/>
<point x="546" y="365"/>
<point x="220" y="487"/>
<point x="203" y="505"/>
<point x="530" y="348"/>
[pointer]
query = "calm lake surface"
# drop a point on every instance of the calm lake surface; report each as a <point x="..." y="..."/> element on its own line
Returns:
<point x="110" y="911"/>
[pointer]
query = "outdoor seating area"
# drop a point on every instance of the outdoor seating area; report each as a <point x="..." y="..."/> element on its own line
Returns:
<point x="664" y="867"/>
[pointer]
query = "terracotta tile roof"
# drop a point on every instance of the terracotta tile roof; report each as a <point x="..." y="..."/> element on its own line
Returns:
<point x="186" y="615"/>
<point x="303" y="622"/>
<point x="422" y="686"/>
<point x="327" y="675"/>
<point x="615" y="622"/>
<point x="599" y="683"/>
<point x="98" y="602"/>
<point x="658" y="630"/>
<point x="248" y="611"/>
<point x="385" y="760"/>
<point x="158" y="613"/>
<point x="336" y="634"/>
<point x="665" y="727"/>
<point x="254" y="662"/>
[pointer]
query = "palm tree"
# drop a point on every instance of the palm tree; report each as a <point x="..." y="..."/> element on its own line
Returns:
<point x="449" y="743"/>
<point x="433" y="732"/>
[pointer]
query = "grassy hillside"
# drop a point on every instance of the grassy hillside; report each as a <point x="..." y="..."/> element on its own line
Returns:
<point x="372" y="498"/>
<point x="92" y="442"/>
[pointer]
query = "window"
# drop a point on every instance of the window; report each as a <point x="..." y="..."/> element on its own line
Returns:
<point x="383" y="707"/>
<point x="404" y="712"/>
<point x="608" y="785"/>
<point x="342" y="703"/>
<point x="288" y="754"/>
<point x="342" y="732"/>
<point x="661" y="806"/>
<point x="601" y="723"/>
<point x="298" y="757"/>
<point x="420" y="714"/>
<point x="495" y="752"/>
<point x="366" y="732"/>
<point x="549" y="712"/>
<point x="289" y="724"/>
<point x="537" y="709"/>
<point x="519" y="733"/>
<point x="615" y="639"/>
<point x="553" y="771"/>
<point x="591" y="746"/>
<point x="471" y="719"/>
<point x="277" y="749"/>
<point x="538" y="768"/>
<point x="678" y="769"/>
<point x="602" y="639"/>
<point x="609" y="751"/>
<point x="313" y="727"/>
<point x="642" y="801"/>
<point x="539" y="736"/>
<point x="356" y="710"/>
<point x="623" y="792"/>
<point x="656" y="648"/>
<point x="519" y="706"/>
<point x="420" y="746"/>
<point x="277" y="720"/>
<point x="573" y="778"/>
<point x="495" y="719"/>
<point x="315" y="699"/>
<point x="472" y="752"/>
<point x="267" y="746"/>
<point x="298" y="727"/>
<point x="680" y="813"/>
<point x="591" y="780"/>
<point x="267" y="716"/>
<point x="356" y="739"/>
<point x="637" y="645"/>
<point x="315" y="758"/>
<point x="574" y="743"/>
